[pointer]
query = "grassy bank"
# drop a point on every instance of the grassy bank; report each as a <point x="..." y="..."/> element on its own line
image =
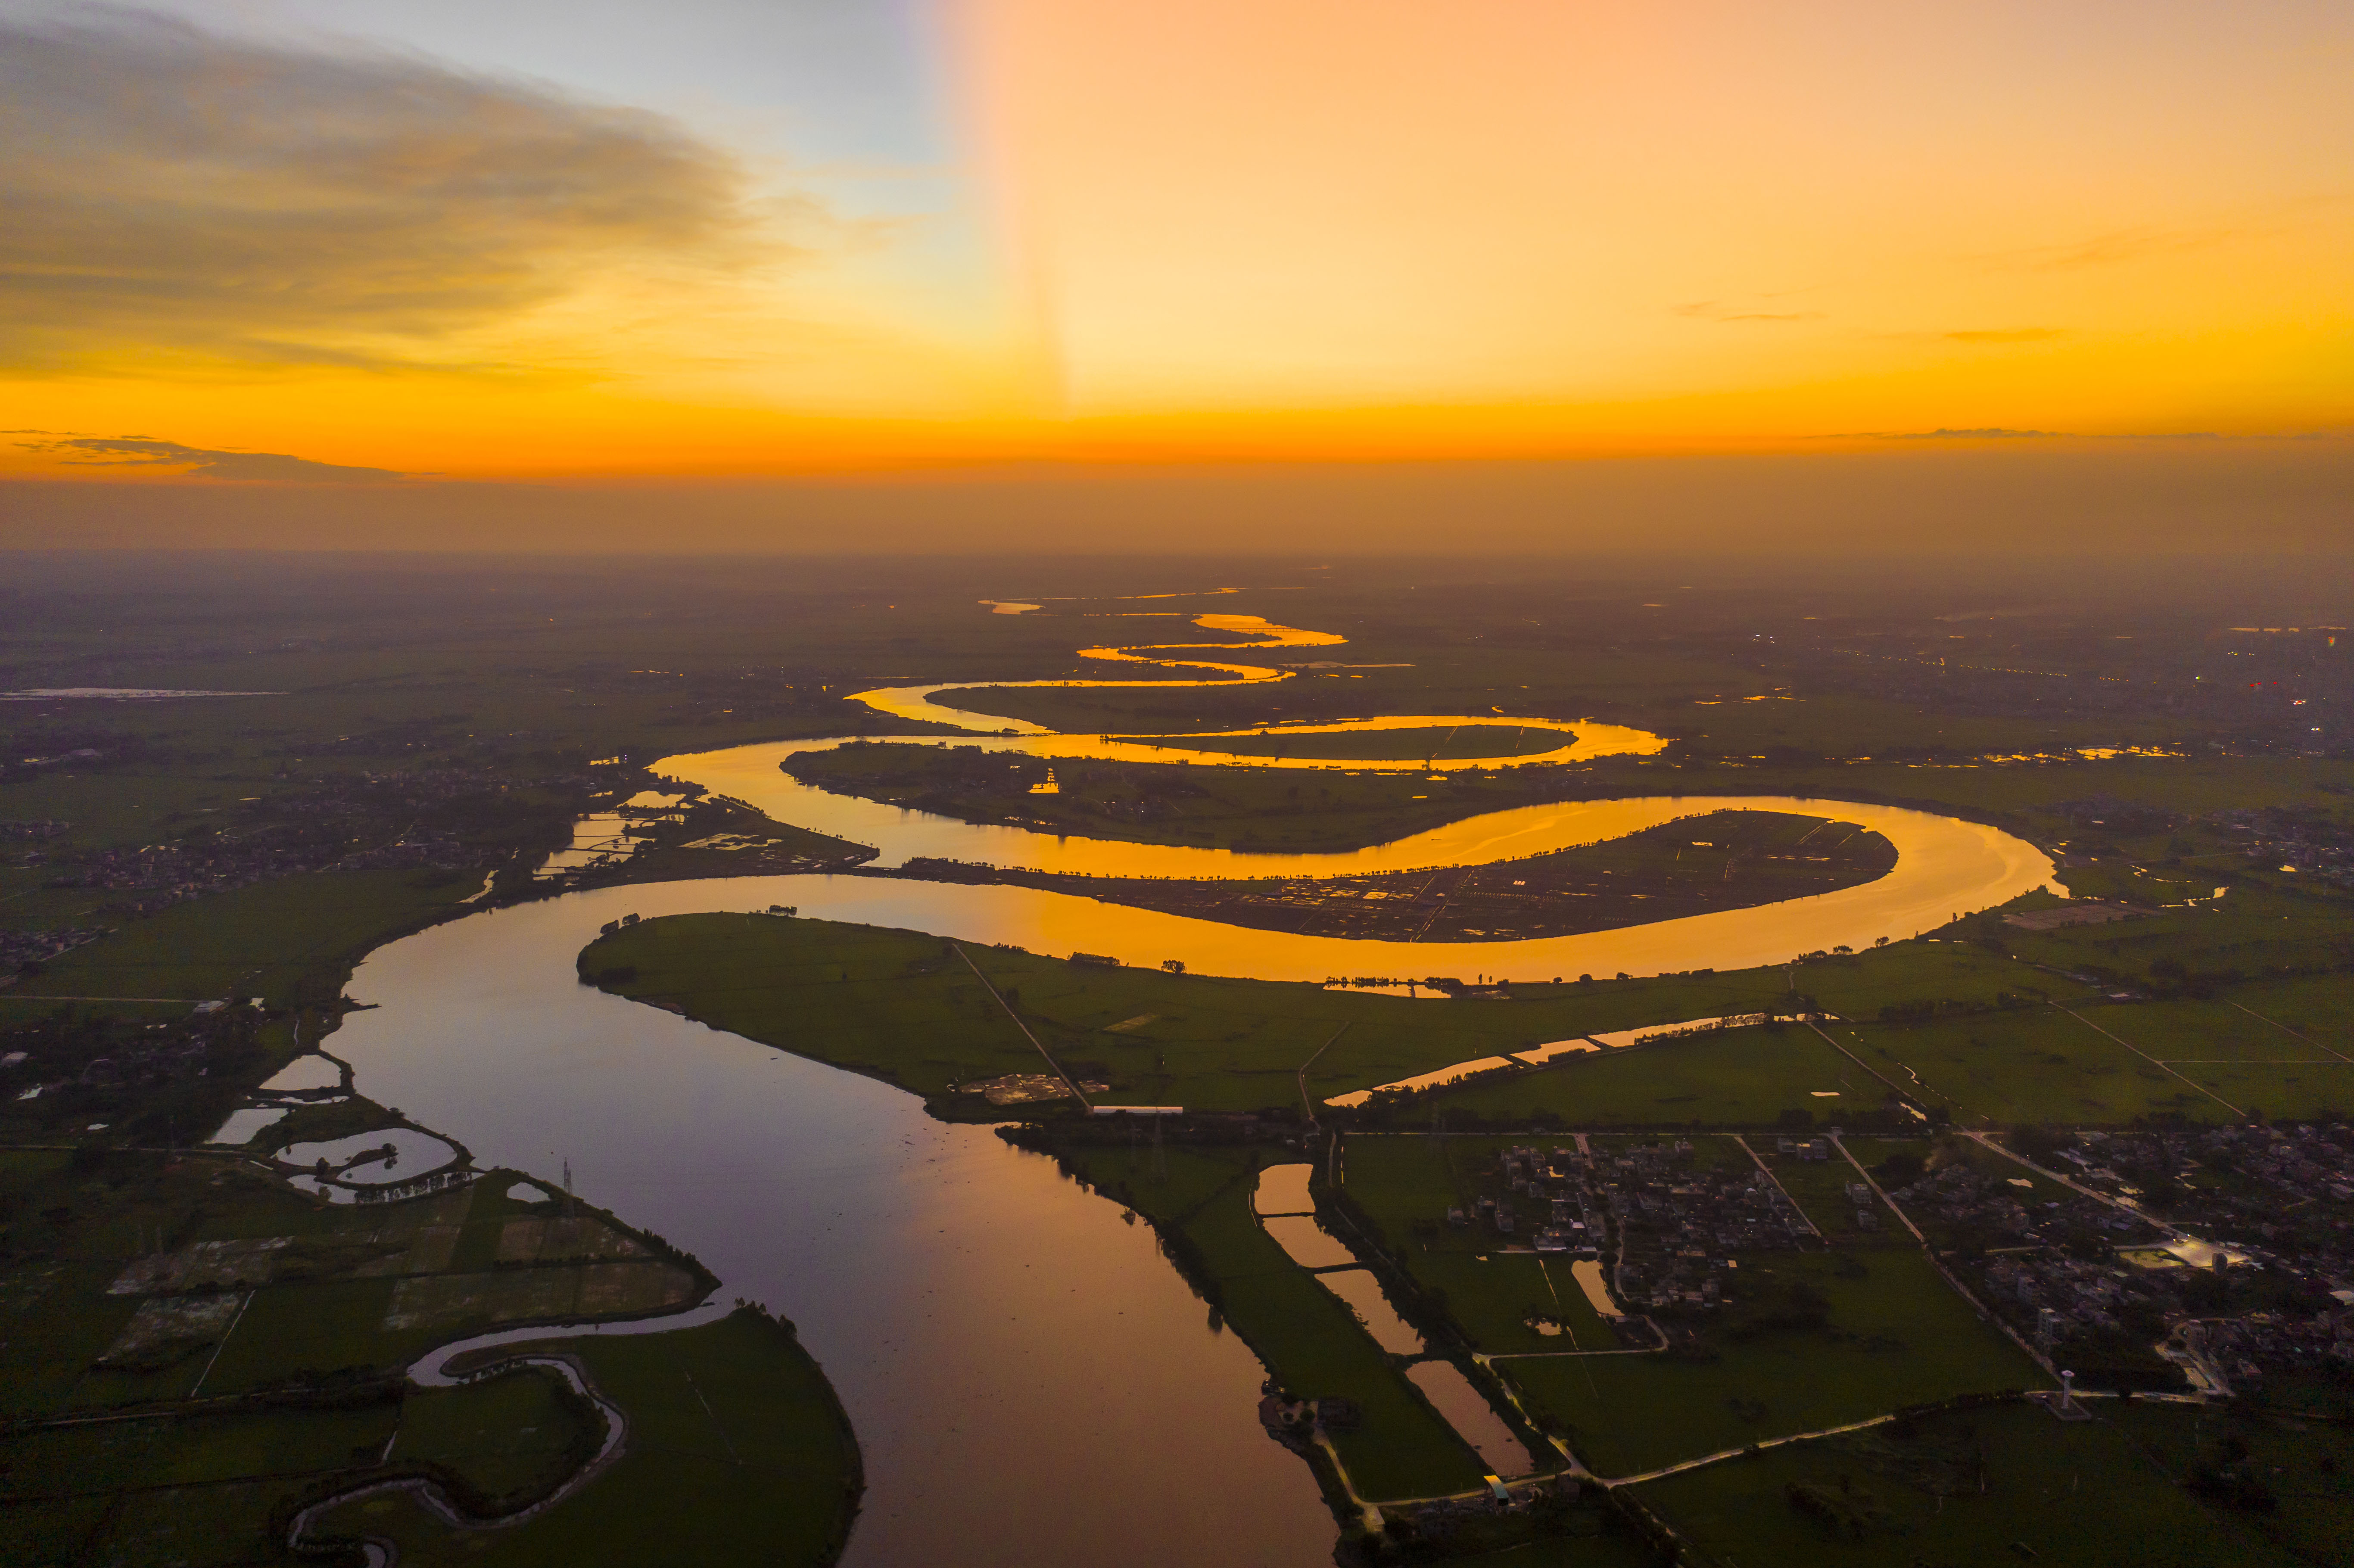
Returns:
<point x="1311" y="1343"/>
<point x="2002" y="1484"/>
<point x="737" y="1453"/>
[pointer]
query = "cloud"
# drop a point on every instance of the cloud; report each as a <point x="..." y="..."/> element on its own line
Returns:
<point x="143" y="452"/>
<point x="1990" y="433"/>
<point x="2008" y="334"/>
<point x="177" y="197"/>
<point x="1710" y="311"/>
<point x="1986" y="433"/>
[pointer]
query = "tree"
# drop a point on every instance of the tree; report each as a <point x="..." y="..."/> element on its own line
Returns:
<point x="1901" y="1169"/>
<point x="2038" y="1143"/>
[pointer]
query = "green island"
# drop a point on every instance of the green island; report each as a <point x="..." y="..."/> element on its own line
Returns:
<point x="1711" y="859"/>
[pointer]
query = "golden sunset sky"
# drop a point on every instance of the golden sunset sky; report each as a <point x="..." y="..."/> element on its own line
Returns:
<point x="734" y="248"/>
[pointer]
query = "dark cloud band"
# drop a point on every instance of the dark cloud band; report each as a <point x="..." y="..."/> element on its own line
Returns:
<point x="177" y="197"/>
<point x="144" y="451"/>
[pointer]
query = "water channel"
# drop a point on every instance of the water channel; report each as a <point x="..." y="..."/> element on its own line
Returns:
<point x="1030" y="1382"/>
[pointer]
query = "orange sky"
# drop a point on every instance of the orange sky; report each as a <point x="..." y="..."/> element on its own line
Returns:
<point x="1039" y="230"/>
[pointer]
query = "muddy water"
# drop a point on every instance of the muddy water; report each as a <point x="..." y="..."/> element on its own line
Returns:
<point x="1944" y="867"/>
<point x="1060" y="924"/>
<point x="1468" y="1412"/>
<point x="1588" y="1272"/>
<point x="1580" y="740"/>
<point x="916" y="702"/>
<point x="1362" y="1292"/>
<point x="1282" y="1201"/>
<point x="1283" y="1189"/>
<point x="1449" y="1073"/>
<point x="1309" y="1244"/>
<point x="242" y="1125"/>
<point x="1029" y="1380"/>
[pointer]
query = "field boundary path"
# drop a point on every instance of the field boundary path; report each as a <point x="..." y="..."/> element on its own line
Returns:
<point x="2152" y="1061"/>
<point x="1304" y="1098"/>
<point x="1068" y="1082"/>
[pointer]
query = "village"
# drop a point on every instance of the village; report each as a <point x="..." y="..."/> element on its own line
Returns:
<point x="1672" y="1225"/>
<point x="2266" y="1288"/>
<point x="434" y="820"/>
<point x="2128" y="1299"/>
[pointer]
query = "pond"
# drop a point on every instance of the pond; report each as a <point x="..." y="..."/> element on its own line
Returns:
<point x="1283" y="1189"/>
<point x="1309" y="1244"/>
<point x="243" y="1125"/>
<point x="1362" y="1292"/>
<point x="1467" y="1411"/>
<point x="385" y="1155"/>
<point x="1588" y="1272"/>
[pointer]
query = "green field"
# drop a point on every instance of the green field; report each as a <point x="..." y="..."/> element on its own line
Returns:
<point x="903" y="1005"/>
<point x="738" y="1454"/>
<point x="1897" y="1335"/>
<point x="256" y="1352"/>
<point x="2089" y="1063"/>
<point x="512" y="1438"/>
<point x="1974" y="1486"/>
<point x="291" y="942"/>
<point x="197" y="1490"/>
<point x="2105" y="1064"/>
<point x="319" y="1290"/>
<point x="2303" y="1467"/>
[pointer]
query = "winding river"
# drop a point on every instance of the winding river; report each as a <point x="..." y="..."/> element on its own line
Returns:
<point x="1029" y="1381"/>
<point x="1945" y="867"/>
